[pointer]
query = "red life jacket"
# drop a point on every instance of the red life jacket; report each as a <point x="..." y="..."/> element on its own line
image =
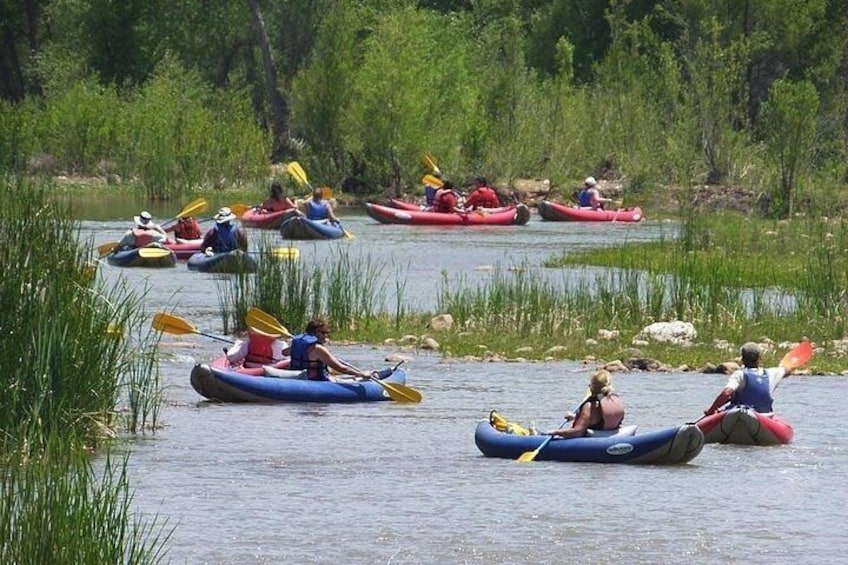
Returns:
<point x="143" y="238"/>
<point x="445" y="200"/>
<point x="187" y="228"/>
<point x="260" y="347"/>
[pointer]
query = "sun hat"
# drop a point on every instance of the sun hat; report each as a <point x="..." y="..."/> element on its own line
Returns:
<point x="143" y="219"/>
<point x="224" y="215"/>
<point x="590" y="181"/>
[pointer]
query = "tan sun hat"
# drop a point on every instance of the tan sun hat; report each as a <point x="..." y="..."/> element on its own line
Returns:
<point x="143" y="220"/>
<point x="224" y="215"/>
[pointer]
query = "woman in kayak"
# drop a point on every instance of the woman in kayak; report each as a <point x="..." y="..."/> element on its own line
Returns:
<point x="602" y="409"/>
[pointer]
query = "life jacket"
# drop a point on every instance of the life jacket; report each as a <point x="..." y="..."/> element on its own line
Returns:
<point x="143" y="237"/>
<point x="503" y="425"/>
<point x="187" y="228"/>
<point x="273" y="205"/>
<point x="612" y="411"/>
<point x="317" y="210"/>
<point x="584" y="198"/>
<point x="300" y="345"/>
<point x="755" y="391"/>
<point x="484" y="197"/>
<point x="260" y="347"/>
<point x="225" y="239"/>
<point x="445" y="200"/>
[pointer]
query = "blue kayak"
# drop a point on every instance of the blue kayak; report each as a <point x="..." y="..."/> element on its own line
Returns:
<point x="299" y="227"/>
<point x="665" y="446"/>
<point x="228" y="385"/>
<point x="236" y="261"/>
<point x="151" y="257"/>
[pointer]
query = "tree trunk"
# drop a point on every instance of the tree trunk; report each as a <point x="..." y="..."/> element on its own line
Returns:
<point x="278" y="104"/>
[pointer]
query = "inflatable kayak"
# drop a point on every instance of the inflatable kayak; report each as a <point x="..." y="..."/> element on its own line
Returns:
<point x="264" y="219"/>
<point x="666" y="446"/>
<point x="299" y="227"/>
<point x="151" y="257"/>
<point x="214" y="382"/>
<point x="555" y="212"/>
<point x="404" y="205"/>
<point x="743" y="425"/>
<point x="236" y="261"/>
<point x="184" y="248"/>
<point x="508" y="216"/>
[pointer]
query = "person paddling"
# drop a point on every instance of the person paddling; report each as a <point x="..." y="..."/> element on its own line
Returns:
<point x="602" y="410"/>
<point x="309" y="352"/>
<point x="145" y="232"/>
<point x="225" y="236"/>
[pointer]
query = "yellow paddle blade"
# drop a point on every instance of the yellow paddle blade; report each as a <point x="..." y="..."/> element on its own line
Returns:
<point x="285" y="252"/>
<point x="171" y="324"/>
<point x="153" y="252"/>
<point x="430" y="163"/>
<point x="399" y="392"/>
<point x="798" y="356"/>
<point x="193" y="208"/>
<point x="430" y="180"/>
<point x="528" y="456"/>
<point x="348" y="235"/>
<point x="107" y="248"/>
<point x="265" y="322"/>
<point x="297" y="172"/>
<point x="114" y="330"/>
<point x="239" y="209"/>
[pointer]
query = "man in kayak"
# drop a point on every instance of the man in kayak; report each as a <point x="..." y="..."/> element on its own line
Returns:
<point x="601" y="410"/>
<point x="751" y="385"/>
<point x="257" y="350"/>
<point x="447" y="199"/>
<point x="309" y="352"/>
<point x="590" y="197"/>
<point x="225" y="235"/>
<point x="144" y="233"/>
<point x="319" y="209"/>
<point x="483" y="196"/>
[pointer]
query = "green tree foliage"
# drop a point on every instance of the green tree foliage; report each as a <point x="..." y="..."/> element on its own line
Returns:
<point x="788" y="127"/>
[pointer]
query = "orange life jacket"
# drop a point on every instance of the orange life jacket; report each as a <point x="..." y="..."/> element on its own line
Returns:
<point x="187" y="228"/>
<point x="143" y="238"/>
<point x="260" y="347"/>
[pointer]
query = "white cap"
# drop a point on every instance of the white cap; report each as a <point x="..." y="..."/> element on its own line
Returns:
<point x="590" y="181"/>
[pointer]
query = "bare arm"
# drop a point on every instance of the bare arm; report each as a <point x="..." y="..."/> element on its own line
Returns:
<point x="323" y="354"/>
<point x="579" y="426"/>
<point x="723" y="398"/>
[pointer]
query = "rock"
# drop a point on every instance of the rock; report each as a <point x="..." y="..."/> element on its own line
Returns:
<point x="556" y="349"/>
<point x="727" y="367"/>
<point x="525" y="349"/>
<point x="643" y="364"/>
<point x="441" y="322"/>
<point x="397" y="358"/>
<point x="408" y="339"/>
<point x="676" y="332"/>
<point x="430" y="344"/>
<point x="590" y="341"/>
<point x="608" y="335"/>
<point x="615" y="366"/>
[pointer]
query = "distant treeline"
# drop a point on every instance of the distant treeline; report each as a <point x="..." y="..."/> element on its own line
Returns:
<point x="186" y="96"/>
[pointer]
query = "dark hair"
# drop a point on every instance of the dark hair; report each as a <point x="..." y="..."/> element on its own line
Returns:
<point x="481" y="180"/>
<point x="317" y="192"/>
<point x="276" y="189"/>
<point x="316" y="324"/>
<point x="448" y="184"/>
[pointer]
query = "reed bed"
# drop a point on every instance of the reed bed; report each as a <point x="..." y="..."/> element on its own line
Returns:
<point x="76" y="371"/>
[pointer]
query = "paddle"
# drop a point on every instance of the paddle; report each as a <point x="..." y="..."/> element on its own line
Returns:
<point x="396" y="391"/>
<point x="797" y="356"/>
<point x="153" y="252"/>
<point x="191" y="209"/>
<point x="265" y="322"/>
<point x="430" y="163"/>
<point x="528" y="456"/>
<point x="171" y="324"/>
<point x="238" y="209"/>
<point x="107" y="248"/>
<point x="432" y="181"/>
<point x="296" y="170"/>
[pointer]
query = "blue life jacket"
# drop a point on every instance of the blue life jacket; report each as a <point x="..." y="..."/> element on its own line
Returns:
<point x="755" y="392"/>
<point x="225" y="239"/>
<point x="584" y="199"/>
<point x="317" y="210"/>
<point x="315" y="370"/>
<point x="429" y="195"/>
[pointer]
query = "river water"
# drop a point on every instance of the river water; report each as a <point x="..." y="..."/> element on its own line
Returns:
<point x="392" y="483"/>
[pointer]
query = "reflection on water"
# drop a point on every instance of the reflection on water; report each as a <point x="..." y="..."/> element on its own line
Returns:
<point x="385" y="482"/>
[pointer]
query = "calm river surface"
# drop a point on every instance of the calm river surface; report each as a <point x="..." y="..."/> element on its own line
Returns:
<point x="391" y="483"/>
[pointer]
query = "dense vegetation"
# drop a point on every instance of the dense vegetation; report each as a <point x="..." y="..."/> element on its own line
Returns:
<point x="190" y="96"/>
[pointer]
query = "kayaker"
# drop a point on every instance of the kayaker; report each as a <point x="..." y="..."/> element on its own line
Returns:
<point x="185" y="230"/>
<point x="145" y="232"/>
<point x="309" y="351"/>
<point x="590" y="197"/>
<point x="602" y="410"/>
<point x="277" y="200"/>
<point x="751" y="385"/>
<point x="319" y="209"/>
<point x="483" y="196"/>
<point x="225" y="235"/>
<point x="258" y="349"/>
<point x="430" y="188"/>
<point x="447" y="199"/>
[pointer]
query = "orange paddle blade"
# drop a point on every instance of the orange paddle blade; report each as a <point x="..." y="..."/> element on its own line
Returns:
<point x="798" y="356"/>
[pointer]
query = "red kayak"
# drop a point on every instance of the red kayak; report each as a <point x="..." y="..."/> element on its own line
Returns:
<point x="403" y="205"/>
<point x="511" y="215"/>
<point x="742" y="425"/>
<point x="185" y="248"/>
<point x="264" y="219"/>
<point x="555" y="212"/>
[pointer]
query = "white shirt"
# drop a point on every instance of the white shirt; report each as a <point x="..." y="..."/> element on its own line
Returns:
<point x="775" y="374"/>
